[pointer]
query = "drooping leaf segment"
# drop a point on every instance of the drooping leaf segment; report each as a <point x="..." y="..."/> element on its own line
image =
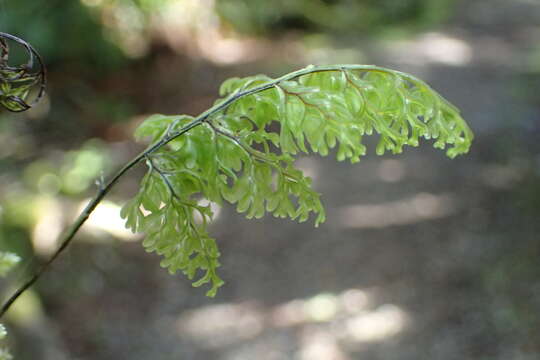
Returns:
<point x="242" y="151"/>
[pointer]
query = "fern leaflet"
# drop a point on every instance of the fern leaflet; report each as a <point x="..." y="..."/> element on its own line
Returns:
<point x="242" y="151"/>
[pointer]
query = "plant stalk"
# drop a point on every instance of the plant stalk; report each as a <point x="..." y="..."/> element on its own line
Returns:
<point x="103" y="190"/>
<point x="67" y="237"/>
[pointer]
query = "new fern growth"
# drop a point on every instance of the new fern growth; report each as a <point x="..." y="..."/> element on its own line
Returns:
<point x="242" y="151"/>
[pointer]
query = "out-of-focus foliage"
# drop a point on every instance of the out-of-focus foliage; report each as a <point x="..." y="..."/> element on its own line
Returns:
<point x="144" y="5"/>
<point x="126" y="22"/>
<point x="102" y="32"/>
<point x="7" y="263"/>
<point x="236" y="157"/>
<point x="82" y="167"/>
<point x="262" y="17"/>
<point x="24" y="203"/>
<point x="4" y="353"/>
<point x="62" y="31"/>
<point x="74" y="175"/>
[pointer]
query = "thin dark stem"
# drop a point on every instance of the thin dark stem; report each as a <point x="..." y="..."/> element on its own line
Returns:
<point x="163" y="176"/>
<point x="69" y="234"/>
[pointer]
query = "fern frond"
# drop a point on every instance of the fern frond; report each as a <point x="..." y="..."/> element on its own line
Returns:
<point x="242" y="151"/>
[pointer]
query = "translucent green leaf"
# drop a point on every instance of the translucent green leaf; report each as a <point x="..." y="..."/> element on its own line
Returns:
<point x="242" y="152"/>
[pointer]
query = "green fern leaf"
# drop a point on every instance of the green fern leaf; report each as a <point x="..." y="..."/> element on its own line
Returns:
<point x="242" y="151"/>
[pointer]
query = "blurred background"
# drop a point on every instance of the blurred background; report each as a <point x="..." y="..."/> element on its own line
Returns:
<point x="422" y="257"/>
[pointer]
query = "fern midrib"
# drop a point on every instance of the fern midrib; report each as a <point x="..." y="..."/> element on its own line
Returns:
<point x="305" y="71"/>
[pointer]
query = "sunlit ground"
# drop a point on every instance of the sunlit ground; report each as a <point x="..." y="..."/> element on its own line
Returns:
<point x="324" y="325"/>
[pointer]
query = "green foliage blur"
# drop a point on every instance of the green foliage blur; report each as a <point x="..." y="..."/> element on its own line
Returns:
<point x="7" y="262"/>
<point x="78" y="31"/>
<point x="361" y="16"/>
<point x="64" y="32"/>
